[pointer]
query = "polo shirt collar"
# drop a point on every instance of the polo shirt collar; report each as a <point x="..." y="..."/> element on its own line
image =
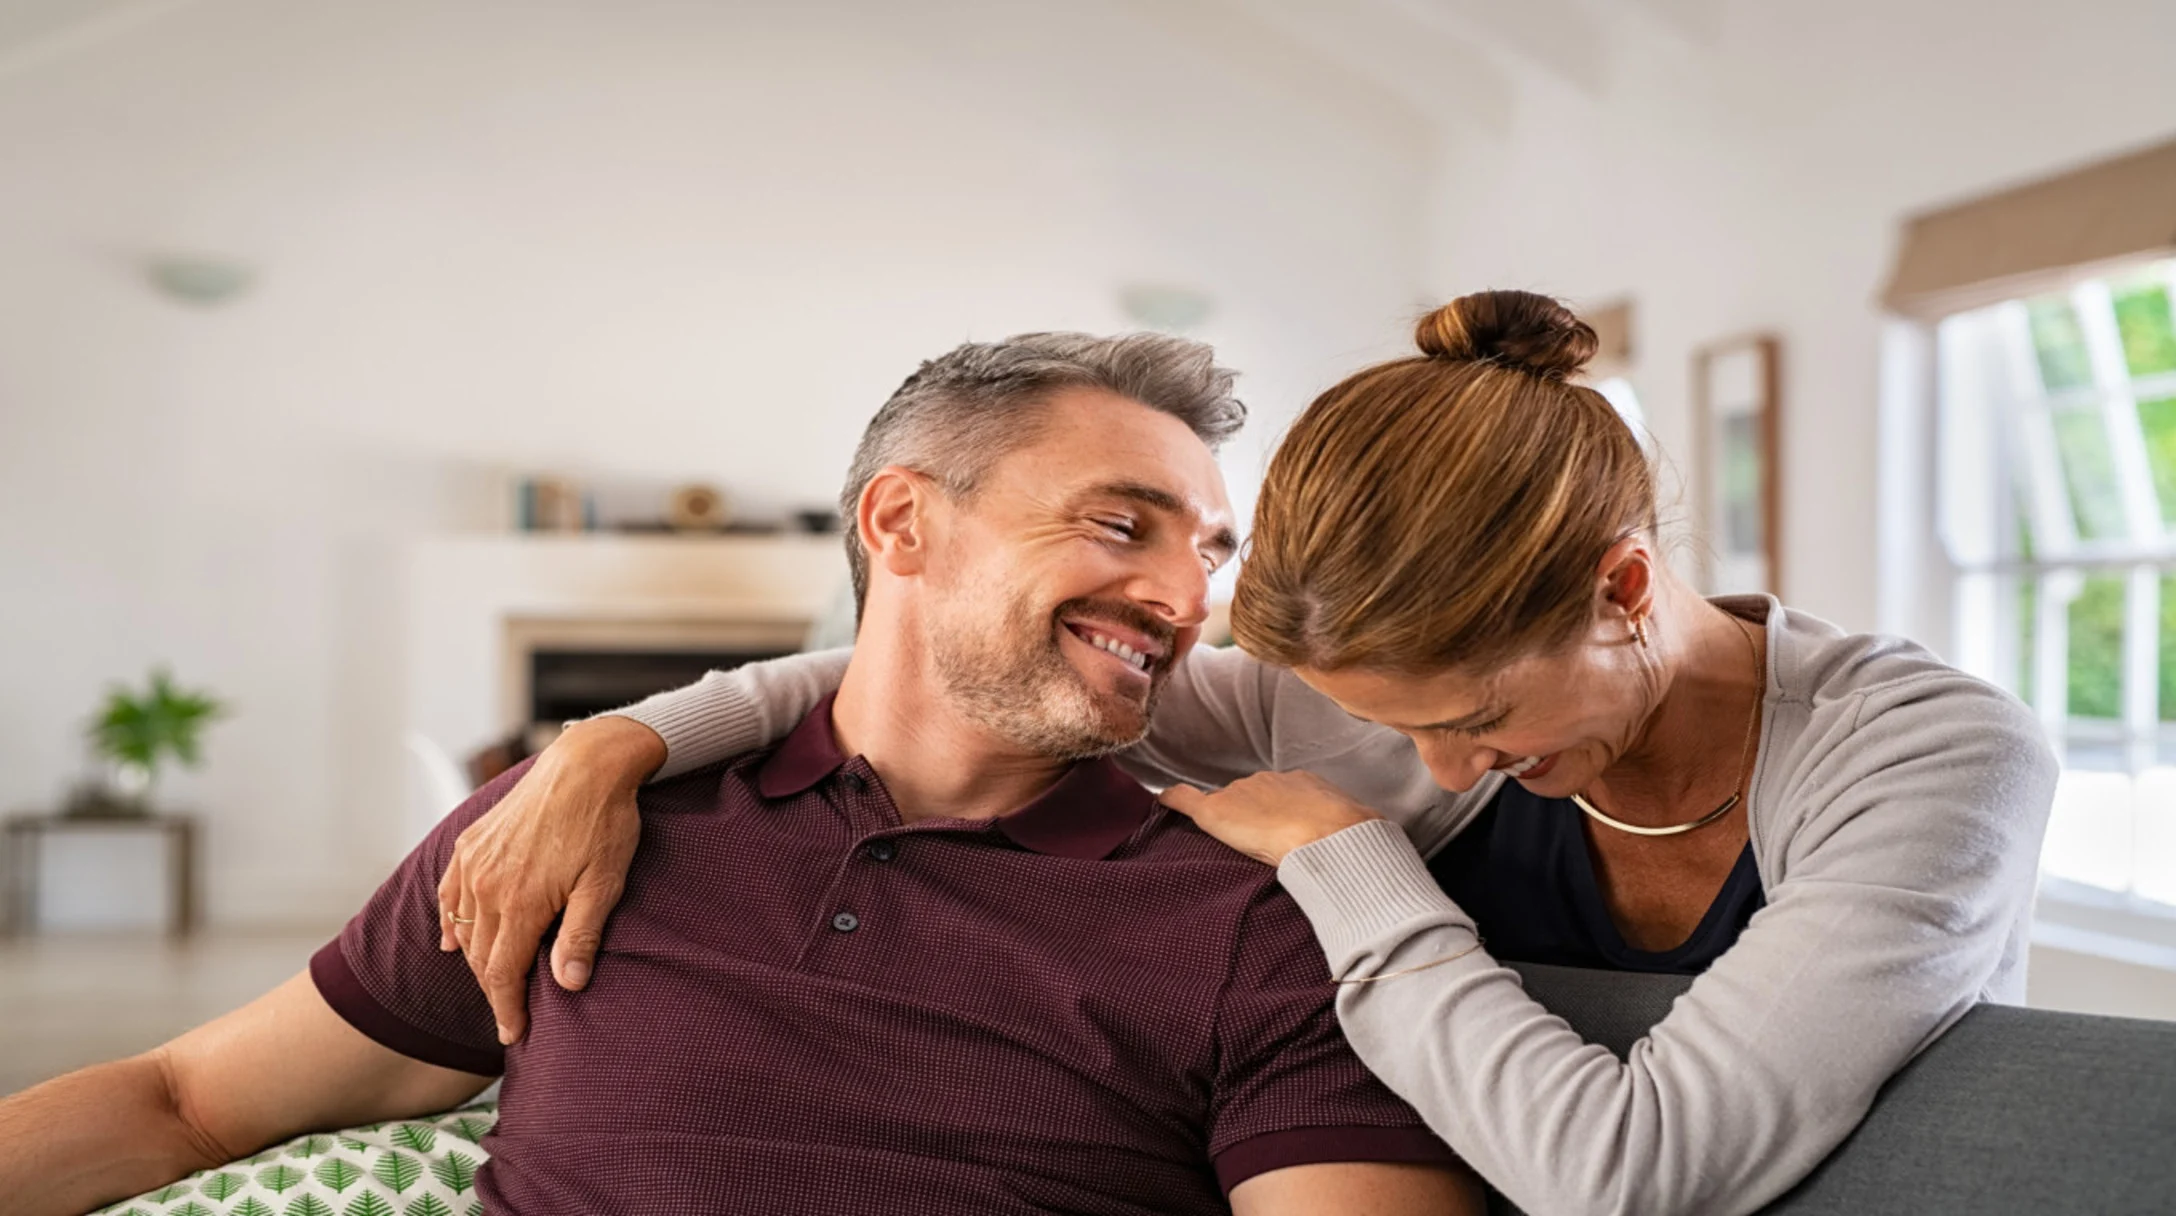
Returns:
<point x="810" y="754"/>
<point x="1093" y="808"/>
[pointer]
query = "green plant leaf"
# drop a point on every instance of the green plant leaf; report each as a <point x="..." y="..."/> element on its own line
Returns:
<point x="279" y="1179"/>
<point x="368" y="1203"/>
<point x="167" y="1194"/>
<point x="456" y="1170"/>
<point x="397" y="1170"/>
<point x="417" y="1136"/>
<point x="191" y="1208"/>
<point x="338" y="1173"/>
<point x="164" y="720"/>
<point x="307" y="1205"/>
<point x="219" y="1186"/>
<point x="350" y="1142"/>
<point x="270" y="1154"/>
<point x="310" y="1146"/>
<point x="474" y="1209"/>
<point x="251" y="1206"/>
<point x="428" y="1205"/>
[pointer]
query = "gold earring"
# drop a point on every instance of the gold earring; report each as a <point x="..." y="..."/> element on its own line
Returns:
<point x="1639" y="631"/>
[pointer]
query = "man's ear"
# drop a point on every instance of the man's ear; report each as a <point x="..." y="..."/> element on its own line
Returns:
<point x="1625" y="580"/>
<point x="894" y="518"/>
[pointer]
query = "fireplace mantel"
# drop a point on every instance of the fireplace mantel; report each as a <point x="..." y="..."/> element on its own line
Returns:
<point x="471" y="597"/>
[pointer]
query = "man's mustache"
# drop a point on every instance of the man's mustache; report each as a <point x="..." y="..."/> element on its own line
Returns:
<point x="1130" y="615"/>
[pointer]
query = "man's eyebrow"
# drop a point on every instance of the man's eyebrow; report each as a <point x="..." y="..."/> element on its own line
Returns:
<point x="1224" y="540"/>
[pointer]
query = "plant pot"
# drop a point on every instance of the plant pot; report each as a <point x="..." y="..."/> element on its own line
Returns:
<point x="123" y="793"/>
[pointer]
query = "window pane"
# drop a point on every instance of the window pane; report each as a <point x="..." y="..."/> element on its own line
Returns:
<point x="2167" y="678"/>
<point x="2142" y="316"/>
<point x="2096" y="648"/>
<point x="2089" y="830"/>
<point x="2154" y="836"/>
<point x="2028" y="624"/>
<point x="2081" y="440"/>
<point x="2021" y="514"/>
<point x="2158" y="420"/>
<point x="2059" y="343"/>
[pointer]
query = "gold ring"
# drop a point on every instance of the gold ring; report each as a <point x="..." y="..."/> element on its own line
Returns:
<point x="459" y="920"/>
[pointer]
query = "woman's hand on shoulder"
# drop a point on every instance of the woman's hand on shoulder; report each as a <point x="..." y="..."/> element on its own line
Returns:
<point x="1268" y="815"/>
<point x="562" y="838"/>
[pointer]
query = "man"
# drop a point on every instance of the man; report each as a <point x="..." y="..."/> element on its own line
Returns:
<point x="931" y="955"/>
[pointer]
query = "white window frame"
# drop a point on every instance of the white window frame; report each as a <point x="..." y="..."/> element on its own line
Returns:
<point x="1966" y="417"/>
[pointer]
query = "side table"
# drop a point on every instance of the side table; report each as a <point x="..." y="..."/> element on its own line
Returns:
<point x="20" y="864"/>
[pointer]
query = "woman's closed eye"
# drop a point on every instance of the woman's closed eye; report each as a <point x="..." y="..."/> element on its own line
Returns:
<point x="1475" y="732"/>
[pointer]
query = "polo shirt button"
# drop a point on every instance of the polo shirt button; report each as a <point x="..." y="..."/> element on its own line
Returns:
<point x="883" y="850"/>
<point x="846" y="922"/>
<point x="853" y="782"/>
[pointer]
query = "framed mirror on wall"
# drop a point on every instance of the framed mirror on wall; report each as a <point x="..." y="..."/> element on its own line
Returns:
<point x="1737" y="475"/>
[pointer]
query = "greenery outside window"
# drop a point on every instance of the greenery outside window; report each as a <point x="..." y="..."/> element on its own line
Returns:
<point x="2057" y="501"/>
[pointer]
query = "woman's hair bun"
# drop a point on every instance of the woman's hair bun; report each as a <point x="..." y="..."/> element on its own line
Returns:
<point x="1513" y="328"/>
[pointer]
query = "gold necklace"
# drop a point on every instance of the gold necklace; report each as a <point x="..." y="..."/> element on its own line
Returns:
<point x="1745" y="754"/>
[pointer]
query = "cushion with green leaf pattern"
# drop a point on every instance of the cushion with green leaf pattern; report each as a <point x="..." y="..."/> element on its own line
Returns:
<point x="411" y="1167"/>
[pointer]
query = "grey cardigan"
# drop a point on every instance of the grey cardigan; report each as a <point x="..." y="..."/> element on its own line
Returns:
<point x="1896" y="814"/>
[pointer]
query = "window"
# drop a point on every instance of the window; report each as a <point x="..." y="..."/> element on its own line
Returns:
<point x="2057" y="499"/>
<point x="1618" y="392"/>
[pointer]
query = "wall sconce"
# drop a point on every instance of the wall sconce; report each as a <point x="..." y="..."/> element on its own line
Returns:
<point x="199" y="281"/>
<point x="1162" y="306"/>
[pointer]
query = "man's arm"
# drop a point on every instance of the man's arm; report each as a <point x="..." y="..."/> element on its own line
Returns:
<point x="279" y="1066"/>
<point x="1359" y="1188"/>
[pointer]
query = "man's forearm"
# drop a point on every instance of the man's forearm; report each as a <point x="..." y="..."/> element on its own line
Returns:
<point x="94" y="1136"/>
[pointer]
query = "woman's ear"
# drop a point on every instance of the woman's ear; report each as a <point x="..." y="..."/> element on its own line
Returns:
<point x="1625" y="580"/>
<point x="893" y="518"/>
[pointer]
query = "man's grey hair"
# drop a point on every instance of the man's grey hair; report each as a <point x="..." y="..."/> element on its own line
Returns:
<point x="961" y="412"/>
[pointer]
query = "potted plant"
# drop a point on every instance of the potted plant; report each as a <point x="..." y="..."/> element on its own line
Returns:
<point x="136" y="732"/>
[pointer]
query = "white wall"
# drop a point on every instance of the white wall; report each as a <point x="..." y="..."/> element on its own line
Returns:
<point x="1752" y="171"/>
<point x="681" y="240"/>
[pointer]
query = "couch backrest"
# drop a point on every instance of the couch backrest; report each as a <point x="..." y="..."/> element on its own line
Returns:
<point x="2014" y="1110"/>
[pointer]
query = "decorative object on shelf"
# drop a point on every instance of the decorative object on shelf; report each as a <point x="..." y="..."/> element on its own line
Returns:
<point x="697" y="508"/>
<point x="819" y="520"/>
<point x="1737" y="473"/>
<point x="554" y="504"/>
<point x="134" y="734"/>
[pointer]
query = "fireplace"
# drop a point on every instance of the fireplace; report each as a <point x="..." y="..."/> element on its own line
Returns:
<point x="559" y="669"/>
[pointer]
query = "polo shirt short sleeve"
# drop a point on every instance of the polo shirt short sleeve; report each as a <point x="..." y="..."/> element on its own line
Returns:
<point x="1289" y="1089"/>
<point x="385" y="974"/>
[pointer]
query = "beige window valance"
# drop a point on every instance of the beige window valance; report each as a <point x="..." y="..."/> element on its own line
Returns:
<point x="2036" y="237"/>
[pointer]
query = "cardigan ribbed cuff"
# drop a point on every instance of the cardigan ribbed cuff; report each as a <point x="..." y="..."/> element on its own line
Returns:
<point x="1360" y="885"/>
<point x="694" y="726"/>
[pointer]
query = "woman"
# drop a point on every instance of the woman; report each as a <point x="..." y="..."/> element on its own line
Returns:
<point x="1471" y="703"/>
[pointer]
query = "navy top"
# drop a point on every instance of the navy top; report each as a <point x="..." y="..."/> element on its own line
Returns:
<point x="1521" y="870"/>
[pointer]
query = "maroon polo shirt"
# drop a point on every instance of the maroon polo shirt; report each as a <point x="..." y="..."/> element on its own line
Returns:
<point x="803" y="1005"/>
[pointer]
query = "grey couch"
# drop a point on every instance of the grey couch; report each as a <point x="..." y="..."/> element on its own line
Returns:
<point x="2014" y="1110"/>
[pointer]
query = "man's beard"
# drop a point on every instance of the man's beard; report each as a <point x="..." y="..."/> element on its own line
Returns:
<point x="1015" y="681"/>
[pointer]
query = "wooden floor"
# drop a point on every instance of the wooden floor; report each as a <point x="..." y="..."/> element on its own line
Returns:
<point x="68" y="1001"/>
